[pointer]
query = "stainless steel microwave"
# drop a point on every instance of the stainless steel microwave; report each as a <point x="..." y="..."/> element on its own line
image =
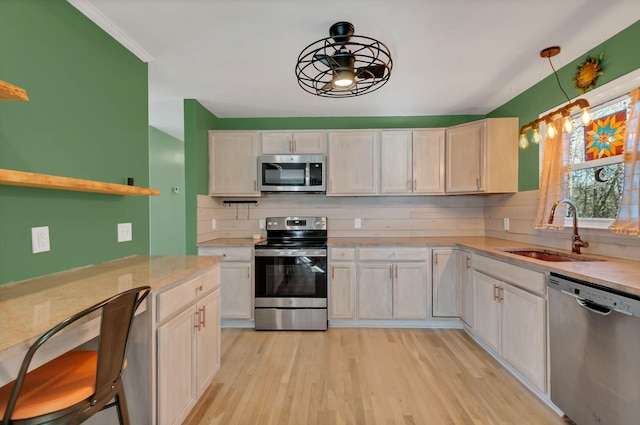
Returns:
<point x="291" y="173"/>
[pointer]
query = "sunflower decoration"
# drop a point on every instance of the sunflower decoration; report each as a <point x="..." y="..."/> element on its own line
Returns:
<point x="588" y="73"/>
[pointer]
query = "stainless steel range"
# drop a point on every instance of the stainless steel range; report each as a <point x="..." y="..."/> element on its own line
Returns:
<point x="291" y="275"/>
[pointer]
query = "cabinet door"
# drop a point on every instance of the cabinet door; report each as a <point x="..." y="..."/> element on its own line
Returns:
<point x="486" y="308"/>
<point x="466" y="289"/>
<point x="395" y="162"/>
<point x="410" y="291"/>
<point x="207" y="341"/>
<point x="309" y="142"/>
<point x="428" y="161"/>
<point x="342" y="291"/>
<point x="465" y="158"/>
<point x="276" y="142"/>
<point x="176" y="362"/>
<point x="233" y="165"/>
<point x="352" y="163"/>
<point x="523" y="333"/>
<point x="236" y="290"/>
<point x="375" y="291"/>
<point x="446" y="283"/>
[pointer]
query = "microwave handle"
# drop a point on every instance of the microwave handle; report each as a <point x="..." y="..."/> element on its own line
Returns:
<point x="307" y="172"/>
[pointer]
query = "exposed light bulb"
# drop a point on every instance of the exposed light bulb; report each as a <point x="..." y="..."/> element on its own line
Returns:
<point x="586" y="116"/>
<point x="523" y="142"/>
<point x="535" y="135"/>
<point x="567" y="123"/>
<point x="551" y="130"/>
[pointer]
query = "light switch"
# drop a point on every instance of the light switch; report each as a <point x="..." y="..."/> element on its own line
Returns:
<point x="357" y="223"/>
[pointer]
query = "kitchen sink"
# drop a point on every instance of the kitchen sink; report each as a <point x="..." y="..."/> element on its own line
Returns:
<point x="547" y="255"/>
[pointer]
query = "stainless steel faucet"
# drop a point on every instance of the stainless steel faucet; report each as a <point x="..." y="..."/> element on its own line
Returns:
<point x="576" y="242"/>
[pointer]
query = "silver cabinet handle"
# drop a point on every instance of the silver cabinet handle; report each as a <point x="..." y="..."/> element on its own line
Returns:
<point x="197" y="320"/>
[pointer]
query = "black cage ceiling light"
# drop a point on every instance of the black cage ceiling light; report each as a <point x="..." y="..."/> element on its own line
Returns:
<point x="344" y="64"/>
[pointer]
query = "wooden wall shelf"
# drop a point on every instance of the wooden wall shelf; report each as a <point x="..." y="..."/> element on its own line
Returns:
<point x="47" y="181"/>
<point x="10" y="92"/>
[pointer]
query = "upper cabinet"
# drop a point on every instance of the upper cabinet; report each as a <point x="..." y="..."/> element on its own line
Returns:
<point x="233" y="169"/>
<point x="297" y="142"/>
<point x="353" y="162"/>
<point x="412" y="162"/>
<point x="482" y="156"/>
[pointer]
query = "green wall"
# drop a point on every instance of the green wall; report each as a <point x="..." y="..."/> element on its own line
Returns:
<point x="197" y="123"/>
<point x="342" y="122"/>
<point x="86" y="118"/>
<point x="167" y="211"/>
<point x="620" y="57"/>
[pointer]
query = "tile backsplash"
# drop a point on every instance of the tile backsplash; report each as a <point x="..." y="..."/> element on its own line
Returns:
<point x="467" y="215"/>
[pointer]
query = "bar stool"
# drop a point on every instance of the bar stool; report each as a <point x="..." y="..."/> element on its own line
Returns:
<point x="80" y="383"/>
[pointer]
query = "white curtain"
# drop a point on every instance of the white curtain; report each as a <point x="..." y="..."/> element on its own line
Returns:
<point x="628" y="220"/>
<point x="553" y="178"/>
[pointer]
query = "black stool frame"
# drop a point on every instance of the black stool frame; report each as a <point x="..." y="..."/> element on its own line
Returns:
<point x="115" y="327"/>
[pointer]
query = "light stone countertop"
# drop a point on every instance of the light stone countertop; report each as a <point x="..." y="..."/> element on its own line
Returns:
<point x="31" y="307"/>
<point x="615" y="273"/>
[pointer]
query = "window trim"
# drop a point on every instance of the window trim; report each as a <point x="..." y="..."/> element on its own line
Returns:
<point x="596" y="97"/>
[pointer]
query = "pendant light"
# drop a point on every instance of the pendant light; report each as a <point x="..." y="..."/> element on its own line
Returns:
<point x="563" y="112"/>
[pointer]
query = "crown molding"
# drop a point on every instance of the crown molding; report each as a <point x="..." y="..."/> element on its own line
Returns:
<point x="95" y="15"/>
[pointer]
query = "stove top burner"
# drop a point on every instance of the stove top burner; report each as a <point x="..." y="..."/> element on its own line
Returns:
<point x="278" y="244"/>
<point x="295" y="232"/>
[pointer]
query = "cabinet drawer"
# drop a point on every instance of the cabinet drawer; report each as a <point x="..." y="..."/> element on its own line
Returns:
<point x="526" y="279"/>
<point x="344" y="254"/>
<point x="175" y="299"/>
<point x="229" y="254"/>
<point x="393" y="254"/>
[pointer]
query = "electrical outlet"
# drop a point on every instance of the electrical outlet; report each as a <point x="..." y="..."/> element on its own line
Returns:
<point x="213" y="224"/>
<point x="505" y="224"/>
<point x="124" y="232"/>
<point x="40" y="239"/>
<point x="357" y="223"/>
<point x="262" y="223"/>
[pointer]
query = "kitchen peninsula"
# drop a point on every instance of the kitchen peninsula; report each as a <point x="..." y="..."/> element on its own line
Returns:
<point x="181" y="287"/>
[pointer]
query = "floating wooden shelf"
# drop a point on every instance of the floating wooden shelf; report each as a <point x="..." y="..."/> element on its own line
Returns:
<point x="11" y="92"/>
<point x="47" y="181"/>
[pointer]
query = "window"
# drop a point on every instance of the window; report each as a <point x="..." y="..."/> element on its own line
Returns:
<point x="594" y="182"/>
<point x="587" y="166"/>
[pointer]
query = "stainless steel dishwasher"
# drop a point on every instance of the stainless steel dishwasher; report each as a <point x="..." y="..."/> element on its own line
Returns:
<point x="594" y="337"/>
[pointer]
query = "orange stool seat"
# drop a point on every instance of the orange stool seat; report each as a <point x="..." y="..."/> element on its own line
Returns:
<point x="55" y="385"/>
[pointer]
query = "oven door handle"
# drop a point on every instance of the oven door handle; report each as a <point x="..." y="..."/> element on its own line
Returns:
<point x="291" y="253"/>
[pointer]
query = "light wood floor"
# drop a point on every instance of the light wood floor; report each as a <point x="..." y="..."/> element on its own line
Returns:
<point x="363" y="376"/>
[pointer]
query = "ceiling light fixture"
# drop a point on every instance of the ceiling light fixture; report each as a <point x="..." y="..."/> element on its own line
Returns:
<point x="344" y="64"/>
<point x="563" y="112"/>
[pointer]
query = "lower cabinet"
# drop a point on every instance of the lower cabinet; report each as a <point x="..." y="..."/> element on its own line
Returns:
<point x="342" y="283"/>
<point x="394" y="289"/>
<point x="510" y="315"/>
<point x="236" y="280"/>
<point x="466" y="288"/>
<point x="188" y="345"/>
<point x="446" y="283"/>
